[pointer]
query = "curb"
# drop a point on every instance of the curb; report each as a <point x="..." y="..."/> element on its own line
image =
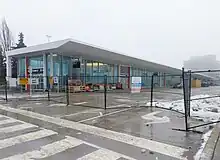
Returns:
<point x="209" y="150"/>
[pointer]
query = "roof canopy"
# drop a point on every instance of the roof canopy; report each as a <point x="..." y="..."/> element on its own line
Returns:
<point x="69" y="47"/>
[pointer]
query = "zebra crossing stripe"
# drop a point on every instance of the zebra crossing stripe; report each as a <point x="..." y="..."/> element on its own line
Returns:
<point x="104" y="154"/>
<point x="25" y="138"/>
<point x="16" y="128"/>
<point x="162" y="148"/>
<point x="7" y="121"/>
<point x="48" y="150"/>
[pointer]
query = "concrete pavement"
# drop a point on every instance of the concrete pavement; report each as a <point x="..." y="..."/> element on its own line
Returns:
<point x="165" y="144"/>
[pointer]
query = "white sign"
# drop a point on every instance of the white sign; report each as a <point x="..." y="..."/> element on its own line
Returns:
<point x="135" y="84"/>
<point x="55" y="80"/>
<point x="34" y="81"/>
<point x="151" y="118"/>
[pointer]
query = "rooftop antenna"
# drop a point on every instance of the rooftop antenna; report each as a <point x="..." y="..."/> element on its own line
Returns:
<point x="48" y="37"/>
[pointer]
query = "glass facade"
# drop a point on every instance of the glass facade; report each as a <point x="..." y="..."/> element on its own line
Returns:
<point x="89" y="71"/>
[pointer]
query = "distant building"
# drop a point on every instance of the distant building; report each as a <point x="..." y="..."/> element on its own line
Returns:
<point x="206" y="62"/>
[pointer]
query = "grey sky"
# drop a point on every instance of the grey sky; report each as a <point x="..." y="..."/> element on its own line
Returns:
<point x="163" y="31"/>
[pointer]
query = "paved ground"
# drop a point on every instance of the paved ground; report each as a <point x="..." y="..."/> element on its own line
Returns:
<point x="217" y="147"/>
<point x="86" y="111"/>
<point x="20" y="140"/>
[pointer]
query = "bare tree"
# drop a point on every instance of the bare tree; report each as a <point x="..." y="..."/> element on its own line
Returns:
<point x="5" y="45"/>
<point x="6" y="38"/>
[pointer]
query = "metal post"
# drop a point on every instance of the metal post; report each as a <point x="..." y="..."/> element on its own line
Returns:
<point x="185" y="105"/>
<point x="67" y="91"/>
<point x="152" y="90"/>
<point x="48" y="88"/>
<point x="6" y="91"/>
<point x="105" y="90"/>
<point x="190" y="89"/>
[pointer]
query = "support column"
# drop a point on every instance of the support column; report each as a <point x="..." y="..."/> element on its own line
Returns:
<point x="51" y="64"/>
<point x="119" y="73"/>
<point x="8" y="68"/>
<point x="45" y="70"/>
<point x="129" y="76"/>
<point x="161" y="79"/>
<point x="27" y="87"/>
<point x="164" y="80"/>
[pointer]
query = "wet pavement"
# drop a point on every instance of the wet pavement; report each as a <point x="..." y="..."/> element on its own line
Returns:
<point x="124" y="115"/>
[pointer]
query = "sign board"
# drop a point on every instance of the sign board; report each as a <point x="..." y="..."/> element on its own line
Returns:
<point x="135" y="84"/>
<point x="23" y="81"/>
<point x="55" y="80"/>
<point x="51" y="80"/>
<point x="34" y="81"/>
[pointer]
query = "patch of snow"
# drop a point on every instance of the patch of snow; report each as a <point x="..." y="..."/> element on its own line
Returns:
<point x="205" y="138"/>
<point x="207" y="110"/>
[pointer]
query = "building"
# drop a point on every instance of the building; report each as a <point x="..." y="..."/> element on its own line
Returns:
<point x="85" y="62"/>
<point x="206" y="62"/>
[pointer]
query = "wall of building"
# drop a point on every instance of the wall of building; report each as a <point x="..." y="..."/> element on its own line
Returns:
<point x="89" y="71"/>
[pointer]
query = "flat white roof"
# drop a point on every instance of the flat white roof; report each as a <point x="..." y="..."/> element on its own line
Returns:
<point x="70" y="47"/>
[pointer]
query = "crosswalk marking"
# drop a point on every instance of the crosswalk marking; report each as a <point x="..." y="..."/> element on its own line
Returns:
<point x="16" y="128"/>
<point x="25" y="138"/>
<point x="162" y="148"/>
<point x="48" y="150"/>
<point x="103" y="154"/>
<point x="7" y="121"/>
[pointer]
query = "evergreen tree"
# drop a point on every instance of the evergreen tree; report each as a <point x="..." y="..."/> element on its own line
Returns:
<point x="20" y="44"/>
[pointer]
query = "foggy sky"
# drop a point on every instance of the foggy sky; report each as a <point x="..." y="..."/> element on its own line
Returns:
<point x="162" y="31"/>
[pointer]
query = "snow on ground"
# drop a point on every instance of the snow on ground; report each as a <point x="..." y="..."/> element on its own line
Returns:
<point x="205" y="138"/>
<point x="204" y="109"/>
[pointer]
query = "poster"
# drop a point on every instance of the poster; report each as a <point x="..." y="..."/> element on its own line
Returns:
<point x="136" y="85"/>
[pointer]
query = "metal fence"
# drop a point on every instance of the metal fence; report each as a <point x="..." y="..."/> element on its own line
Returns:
<point x="200" y="91"/>
<point x="89" y="91"/>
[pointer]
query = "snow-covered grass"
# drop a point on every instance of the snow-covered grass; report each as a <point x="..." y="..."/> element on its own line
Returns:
<point x="207" y="110"/>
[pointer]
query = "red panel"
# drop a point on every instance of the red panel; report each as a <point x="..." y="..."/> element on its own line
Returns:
<point x="129" y="76"/>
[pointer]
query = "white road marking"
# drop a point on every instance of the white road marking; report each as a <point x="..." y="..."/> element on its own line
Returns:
<point x="119" y="105"/>
<point x="85" y="111"/>
<point x="7" y="121"/>
<point x="155" y="119"/>
<point x="111" y="113"/>
<point x="57" y="105"/>
<point x="166" y="149"/>
<point x="16" y="128"/>
<point x="25" y="138"/>
<point x="48" y="150"/>
<point x="79" y="103"/>
<point x="103" y="154"/>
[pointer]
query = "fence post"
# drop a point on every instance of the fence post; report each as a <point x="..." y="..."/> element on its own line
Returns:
<point x="67" y="91"/>
<point x="185" y="103"/>
<point x="6" y="90"/>
<point x="152" y="90"/>
<point x="105" y="91"/>
<point x="190" y="89"/>
<point x="48" y="88"/>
